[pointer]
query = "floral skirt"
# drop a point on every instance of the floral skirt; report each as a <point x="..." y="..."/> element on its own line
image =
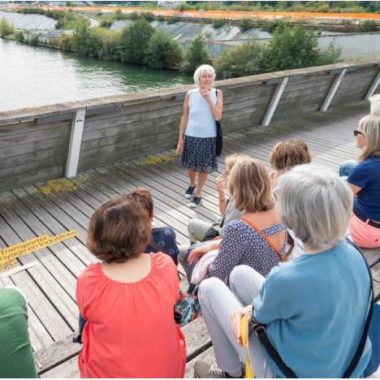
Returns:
<point x="199" y="154"/>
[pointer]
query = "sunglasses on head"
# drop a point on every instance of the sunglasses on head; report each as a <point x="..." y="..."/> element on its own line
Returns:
<point x="356" y="132"/>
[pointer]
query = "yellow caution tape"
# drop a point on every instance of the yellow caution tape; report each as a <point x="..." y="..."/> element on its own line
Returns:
<point x="9" y="254"/>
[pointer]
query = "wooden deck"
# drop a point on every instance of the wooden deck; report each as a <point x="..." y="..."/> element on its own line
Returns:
<point x="59" y="206"/>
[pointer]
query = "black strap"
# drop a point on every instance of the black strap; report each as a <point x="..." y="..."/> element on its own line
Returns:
<point x="363" y="340"/>
<point x="260" y="331"/>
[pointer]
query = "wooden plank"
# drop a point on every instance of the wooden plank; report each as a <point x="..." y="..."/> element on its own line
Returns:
<point x="57" y="353"/>
<point x="66" y="370"/>
<point x="51" y="276"/>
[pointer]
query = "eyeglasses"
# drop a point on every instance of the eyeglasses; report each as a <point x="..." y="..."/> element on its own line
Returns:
<point x="356" y="132"/>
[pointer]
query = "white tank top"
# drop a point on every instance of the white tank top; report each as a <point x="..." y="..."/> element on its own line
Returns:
<point x="201" y="122"/>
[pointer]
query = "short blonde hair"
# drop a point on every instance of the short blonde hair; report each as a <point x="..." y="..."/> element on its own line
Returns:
<point x="316" y="204"/>
<point x="370" y="127"/>
<point x="203" y="69"/>
<point x="289" y="153"/>
<point x="250" y="186"/>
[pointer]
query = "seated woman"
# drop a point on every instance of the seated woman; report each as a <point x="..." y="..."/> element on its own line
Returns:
<point x="285" y="155"/>
<point x="163" y="239"/>
<point x="304" y="302"/>
<point x="364" y="179"/>
<point x="16" y="354"/>
<point x="200" y="230"/>
<point x="258" y="238"/>
<point x="128" y="299"/>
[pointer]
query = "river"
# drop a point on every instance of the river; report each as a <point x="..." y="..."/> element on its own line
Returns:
<point x="35" y="76"/>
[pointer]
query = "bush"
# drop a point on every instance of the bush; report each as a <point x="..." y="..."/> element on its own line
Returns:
<point x="243" y="60"/>
<point x="34" y="40"/>
<point x="6" y="28"/>
<point x="173" y="19"/>
<point x="218" y="23"/>
<point x="274" y="25"/>
<point x="368" y="26"/>
<point x="246" y="24"/>
<point x="163" y="52"/>
<point x="19" y="37"/>
<point x="134" y="41"/>
<point x="196" y="55"/>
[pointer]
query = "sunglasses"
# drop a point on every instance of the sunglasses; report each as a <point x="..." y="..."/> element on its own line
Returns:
<point x="356" y="132"/>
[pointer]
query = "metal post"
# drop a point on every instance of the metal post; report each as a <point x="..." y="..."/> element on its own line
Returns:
<point x="274" y="102"/>
<point x="373" y="87"/>
<point x="75" y="143"/>
<point x="330" y="95"/>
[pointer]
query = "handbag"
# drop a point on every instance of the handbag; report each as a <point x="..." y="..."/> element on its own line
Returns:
<point x="219" y="135"/>
<point x="260" y="331"/>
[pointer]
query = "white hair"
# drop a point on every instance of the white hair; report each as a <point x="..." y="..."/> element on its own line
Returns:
<point x="203" y="69"/>
<point x="316" y="204"/>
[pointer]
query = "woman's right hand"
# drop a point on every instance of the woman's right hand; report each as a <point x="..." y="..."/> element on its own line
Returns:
<point x="236" y="322"/>
<point x="197" y="253"/>
<point x="179" y="149"/>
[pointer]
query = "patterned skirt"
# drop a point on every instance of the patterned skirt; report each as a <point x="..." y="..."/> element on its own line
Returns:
<point x="199" y="154"/>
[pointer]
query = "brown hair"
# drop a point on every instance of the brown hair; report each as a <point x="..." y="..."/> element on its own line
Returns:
<point x="119" y="230"/>
<point x="144" y="197"/>
<point x="250" y="186"/>
<point x="289" y="153"/>
<point x="370" y="126"/>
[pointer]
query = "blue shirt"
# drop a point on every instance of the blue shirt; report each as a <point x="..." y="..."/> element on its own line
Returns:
<point x="164" y="241"/>
<point x="366" y="175"/>
<point x="315" y="308"/>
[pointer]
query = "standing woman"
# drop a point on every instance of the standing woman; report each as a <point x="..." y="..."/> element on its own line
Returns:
<point x="197" y="131"/>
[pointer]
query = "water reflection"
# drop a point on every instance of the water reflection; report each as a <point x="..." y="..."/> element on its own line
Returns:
<point x="35" y="76"/>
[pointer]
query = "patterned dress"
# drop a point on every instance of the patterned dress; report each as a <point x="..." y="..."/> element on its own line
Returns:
<point x="242" y="245"/>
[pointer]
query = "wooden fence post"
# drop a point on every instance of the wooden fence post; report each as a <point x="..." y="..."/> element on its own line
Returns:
<point x="274" y="102"/>
<point x="333" y="89"/>
<point x="75" y="143"/>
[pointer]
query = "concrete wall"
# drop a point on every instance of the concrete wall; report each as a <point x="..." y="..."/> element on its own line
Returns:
<point x="35" y="143"/>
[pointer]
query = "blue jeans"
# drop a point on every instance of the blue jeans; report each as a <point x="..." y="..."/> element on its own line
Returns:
<point x="346" y="168"/>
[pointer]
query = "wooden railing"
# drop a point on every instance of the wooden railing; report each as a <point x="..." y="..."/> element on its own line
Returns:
<point x="43" y="143"/>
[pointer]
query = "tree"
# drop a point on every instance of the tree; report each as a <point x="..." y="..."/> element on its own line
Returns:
<point x="162" y="52"/>
<point x="134" y="41"/>
<point x="196" y="55"/>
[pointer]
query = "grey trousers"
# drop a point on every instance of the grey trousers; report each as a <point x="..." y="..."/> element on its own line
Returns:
<point x="197" y="229"/>
<point x="218" y="302"/>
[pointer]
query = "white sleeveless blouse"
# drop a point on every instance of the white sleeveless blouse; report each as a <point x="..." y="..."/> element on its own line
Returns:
<point x="201" y="122"/>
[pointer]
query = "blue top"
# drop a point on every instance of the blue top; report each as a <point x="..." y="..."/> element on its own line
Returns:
<point x="242" y="245"/>
<point x="366" y="175"/>
<point x="164" y="238"/>
<point x="315" y="308"/>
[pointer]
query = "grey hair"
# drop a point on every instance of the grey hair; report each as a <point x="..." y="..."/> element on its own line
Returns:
<point x="316" y="204"/>
<point x="203" y="69"/>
